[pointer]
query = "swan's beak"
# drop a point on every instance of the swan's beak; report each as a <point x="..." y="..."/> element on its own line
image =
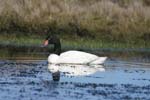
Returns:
<point x="45" y="42"/>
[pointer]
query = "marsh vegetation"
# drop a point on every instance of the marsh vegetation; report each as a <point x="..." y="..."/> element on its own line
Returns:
<point x="120" y="21"/>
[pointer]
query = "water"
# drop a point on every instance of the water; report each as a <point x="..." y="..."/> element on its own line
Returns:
<point x="124" y="76"/>
<point x="25" y="76"/>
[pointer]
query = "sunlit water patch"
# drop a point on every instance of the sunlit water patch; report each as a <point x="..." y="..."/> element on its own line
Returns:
<point x="115" y="80"/>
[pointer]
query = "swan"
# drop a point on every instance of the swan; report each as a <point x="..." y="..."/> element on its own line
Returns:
<point x="72" y="56"/>
<point x="76" y="57"/>
<point x="69" y="57"/>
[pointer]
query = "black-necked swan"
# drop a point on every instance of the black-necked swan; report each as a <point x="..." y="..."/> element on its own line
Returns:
<point x="72" y="56"/>
<point x="69" y="57"/>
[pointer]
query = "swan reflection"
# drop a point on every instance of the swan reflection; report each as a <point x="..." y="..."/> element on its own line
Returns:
<point x="73" y="70"/>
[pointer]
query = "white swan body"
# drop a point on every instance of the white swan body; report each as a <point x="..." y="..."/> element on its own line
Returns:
<point x="76" y="57"/>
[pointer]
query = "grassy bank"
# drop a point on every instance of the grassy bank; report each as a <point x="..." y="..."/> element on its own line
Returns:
<point x="126" y="21"/>
<point x="70" y="42"/>
<point x="19" y="46"/>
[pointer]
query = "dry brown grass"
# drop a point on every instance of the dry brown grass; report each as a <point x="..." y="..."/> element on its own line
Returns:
<point x="106" y="19"/>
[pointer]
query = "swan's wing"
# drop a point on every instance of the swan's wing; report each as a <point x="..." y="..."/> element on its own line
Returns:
<point x="76" y="57"/>
<point x="100" y="60"/>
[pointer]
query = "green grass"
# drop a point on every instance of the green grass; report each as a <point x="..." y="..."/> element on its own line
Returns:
<point x="97" y="44"/>
<point x="20" y="39"/>
<point x="69" y="42"/>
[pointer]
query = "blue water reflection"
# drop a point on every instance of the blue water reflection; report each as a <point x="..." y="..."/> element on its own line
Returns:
<point x="115" y="80"/>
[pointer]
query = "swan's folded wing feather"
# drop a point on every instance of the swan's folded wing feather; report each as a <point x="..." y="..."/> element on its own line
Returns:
<point x="76" y="57"/>
<point x="100" y="60"/>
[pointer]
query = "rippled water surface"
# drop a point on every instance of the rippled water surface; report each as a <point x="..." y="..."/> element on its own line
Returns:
<point x="120" y="78"/>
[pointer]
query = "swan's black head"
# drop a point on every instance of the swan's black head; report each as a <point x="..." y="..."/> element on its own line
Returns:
<point x="53" y="39"/>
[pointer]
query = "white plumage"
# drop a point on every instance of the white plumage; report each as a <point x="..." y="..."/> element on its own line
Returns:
<point x="76" y="57"/>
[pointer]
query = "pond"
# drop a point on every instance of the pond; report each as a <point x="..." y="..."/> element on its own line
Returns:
<point x="124" y="76"/>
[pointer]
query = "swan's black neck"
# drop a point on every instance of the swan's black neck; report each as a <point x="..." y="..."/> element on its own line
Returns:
<point x="53" y="39"/>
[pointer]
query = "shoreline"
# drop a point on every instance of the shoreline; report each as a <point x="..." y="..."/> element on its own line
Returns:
<point x="36" y="52"/>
